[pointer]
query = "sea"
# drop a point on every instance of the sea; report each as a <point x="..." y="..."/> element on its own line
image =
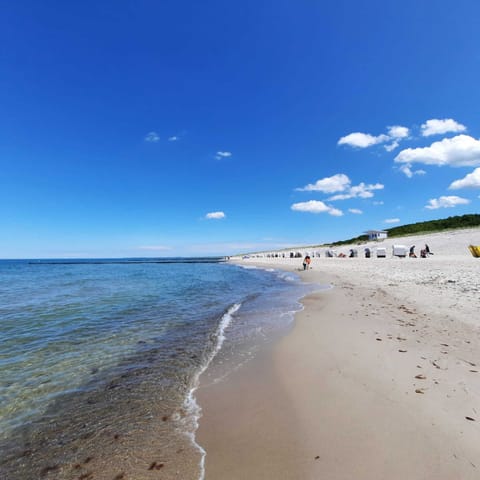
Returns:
<point x="100" y="359"/>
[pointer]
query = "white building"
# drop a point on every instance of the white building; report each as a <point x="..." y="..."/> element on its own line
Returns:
<point x="377" y="234"/>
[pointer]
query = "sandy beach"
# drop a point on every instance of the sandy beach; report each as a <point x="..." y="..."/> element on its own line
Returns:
<point x="379" y="377"/>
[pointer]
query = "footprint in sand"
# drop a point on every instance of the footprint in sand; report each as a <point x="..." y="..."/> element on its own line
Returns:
<point x="440" y="364"/>
<point x="469" y="363"/>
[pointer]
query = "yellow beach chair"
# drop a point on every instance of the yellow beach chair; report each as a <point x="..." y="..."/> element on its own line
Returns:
<point x="475" y="250"/>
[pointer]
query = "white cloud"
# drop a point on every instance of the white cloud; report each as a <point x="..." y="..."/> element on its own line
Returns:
<point x="392" y="146"/>
<point x="355" y="211"/>
<point x="154" y="248"/>
<point x="392" y="220"/>
<point x="397" y="131"/>
<point x="446" y="202"/>
<point x="362" y="140"/>
<point x="336" y="183"/>
<point x="361" y="190"/>
<point x="335" y="212"/>
<point x="220" y="155"/>
<point x="173" y="139"/>
<point x="316" y="206"/>
<point x="341" y="183"/>
<point x="380" y="202"/>
<point x="152" y="137"/>
<point x="472" y="180"/>
<point x="407" y="170"/>
<point x="436" y="126"/>
<point x="459" y="151"/>
<point x="215" y="215"/>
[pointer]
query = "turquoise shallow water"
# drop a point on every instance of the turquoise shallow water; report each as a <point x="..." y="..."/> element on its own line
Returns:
<point x="96" y="358"/>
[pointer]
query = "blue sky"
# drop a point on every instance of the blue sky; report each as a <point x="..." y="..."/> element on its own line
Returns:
<point x="169" y="128"/>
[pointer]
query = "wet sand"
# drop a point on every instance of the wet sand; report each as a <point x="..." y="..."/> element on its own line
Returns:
<point x="379" y="378"/>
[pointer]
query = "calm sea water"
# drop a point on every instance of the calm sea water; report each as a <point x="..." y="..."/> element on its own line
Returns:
<point x="99" y="361"/>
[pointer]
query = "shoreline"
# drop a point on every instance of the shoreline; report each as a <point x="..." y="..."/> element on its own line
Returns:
<point x="379" y="378"/>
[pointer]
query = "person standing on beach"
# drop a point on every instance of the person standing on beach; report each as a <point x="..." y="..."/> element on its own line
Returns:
<point x="306" y="262"/>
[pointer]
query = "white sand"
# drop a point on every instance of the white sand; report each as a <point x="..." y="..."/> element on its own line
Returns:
<point x="340" y="397"/>
<point x="446" y="283"/>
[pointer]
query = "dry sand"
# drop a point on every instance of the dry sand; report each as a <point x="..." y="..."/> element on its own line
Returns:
<point x="379" y="378"/>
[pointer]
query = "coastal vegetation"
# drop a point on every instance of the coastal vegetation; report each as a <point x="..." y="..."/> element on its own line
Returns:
<point x="431" y="226"/>
<point x="450" y="223"/>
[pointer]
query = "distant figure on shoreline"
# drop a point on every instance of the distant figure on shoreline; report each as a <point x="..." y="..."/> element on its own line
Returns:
<point x="412" y="252"/>
<point x="427" y="250"/>
<point x="306" y="262"/>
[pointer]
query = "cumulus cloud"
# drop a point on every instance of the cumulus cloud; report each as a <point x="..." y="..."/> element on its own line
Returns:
<point x="472" y="180"/>
<point x="356" y="211"/>
<point x="397" y="131"/>
<point x="336" y="183"/>
<point x="215" y="215"/>
<point x="380" y="202"/>
<point x="316" y="206"/>
<point x="392" y="220"/>
<point x="361" y="190"/>
<point x="407" y="170"/>
<point x="174" y="138"/>
<point x="446" y="202"/>
<point x="459" y="151"/>
<point x="152" y="137"/>
<point x="392" y="146"/>
<point x="220" y="155"/>
<point x="436" y="126"/>
<point x="362" y="140"/>
<point x="341" y="183"/>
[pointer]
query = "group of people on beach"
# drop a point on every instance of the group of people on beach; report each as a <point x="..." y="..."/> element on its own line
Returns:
<point x="424" y="252"/>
